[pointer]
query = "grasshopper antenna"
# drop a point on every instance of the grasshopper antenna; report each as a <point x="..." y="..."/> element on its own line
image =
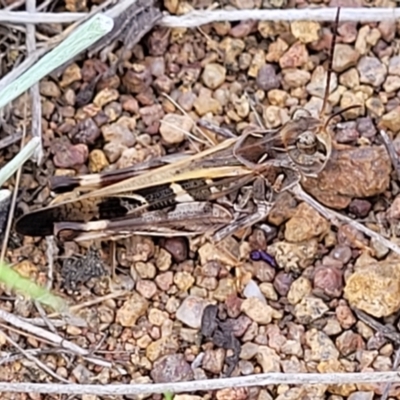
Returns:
<point x="328" y="80"/>
<point x="329" y="72"/>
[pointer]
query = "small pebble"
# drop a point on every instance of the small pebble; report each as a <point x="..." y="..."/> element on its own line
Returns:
<point x="316" y="87"/>
<point x="360" y="207"/>
<point x="49" y="89"/>
<point x="391" y="120"/>
<point x="387" y="29"/>
<point x="253" y="290"/>
<point x="205" y="103"/>
<point x="162" y="347"/>
<point x="191" y="310"/>
<point x="296" y="56"/>
<point x="173" y="128"/>
<point x="299" y="289"/>
<point x="380" y="249"/>
<point x="372" y="71"/>
<point x="246" y="367"/>
<point x="184" y="280"/>
<point x="366" y="127"/>
<point x="269" y="360"/>
<point x="394" y="65"/>
<point x="71" y="156"/>
<point x="294" y="77"/>
<point x="392" y="84"/>
<point x="349" y="342"/>
<point x="267" y="78"/>
<point x="213" y="75"/>
<point x="305" y="224"/>
<point x="240" y="325"/>
<point x="329" y="280"/>
<point x="309" y="309"/>
<point x="85" y="132"/>
<point x="257" y="310"/>
<point x="133" y="308"/>
<point x="282" y="283"/>
<point x="342" y="253"/>
<point x="213" y="360"/>
<point x="146" y="288"/>
<point x="305" y="31"/>
<point x="171" y="368"/>
<point x="105" y="96"/>
<point x="118" y="134"/>
<point x="321" y="346"/>
<point x="360" y="395"/>
<point x="97" y="161"/>
<point x="248" y="350"/>
<point x="71" y="74"/>
<point x="375" y="288"/>
<point x="347" y="132"/>
<point x="345" y="57"/>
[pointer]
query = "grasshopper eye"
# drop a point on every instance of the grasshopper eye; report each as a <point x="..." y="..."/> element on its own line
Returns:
<point x="301" y="113"/>
<point x="307" y="142"/>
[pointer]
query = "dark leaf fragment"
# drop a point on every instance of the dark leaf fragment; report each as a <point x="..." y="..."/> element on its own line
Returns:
<point x="221" y="334"/>
<point x="130" y="26"/>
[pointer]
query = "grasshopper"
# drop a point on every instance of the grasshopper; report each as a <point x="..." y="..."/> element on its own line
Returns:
<point x="163" y="200"/>
<point x="189" y="196"/>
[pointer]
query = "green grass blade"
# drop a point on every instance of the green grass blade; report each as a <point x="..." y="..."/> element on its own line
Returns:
<point x="79" y="40"/>
<point x="11" y="167"/>
<point x="14" y="281"/>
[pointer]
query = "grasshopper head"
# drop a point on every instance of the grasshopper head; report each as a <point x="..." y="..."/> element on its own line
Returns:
<point x="306" y="147"/>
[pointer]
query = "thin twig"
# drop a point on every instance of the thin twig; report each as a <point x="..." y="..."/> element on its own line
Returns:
<point x="22" y="29"/>
<point x="43" y="5"/>
<point x="274" y="378"/>
<point x="10" y="139"/>
<point x="334" y="217"/>
<point x="178" y="106"/>
<point x="223" y="132"/>
<point x="28" y="335"/>
<point x="31" y="357"/>
<point x="387" y="331"/>
<point x="396" y="363"/>
<point x="8" y="357"/>
<point x="59" y="323"/>
<point x="23" y="17"/>
<point x="36" y="127"/>
<point x="13" y="200"/>
<point x="42" y="313"/>
<point x="50" y="253"/>
<point x="94" y="360"/>
<point x="91" y="303"/>
<point x="54" y="338"/>
<point x="201" y="17"/>
<point x="392" y="152"/>
<point x="14" y="4"/>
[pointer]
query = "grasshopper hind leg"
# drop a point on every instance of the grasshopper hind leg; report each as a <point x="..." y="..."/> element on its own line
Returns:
<point x="263" y="204"/>
<point x="262" y="197"/>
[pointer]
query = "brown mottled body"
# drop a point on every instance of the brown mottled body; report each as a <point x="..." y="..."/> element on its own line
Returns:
<point x="194" y="193"/>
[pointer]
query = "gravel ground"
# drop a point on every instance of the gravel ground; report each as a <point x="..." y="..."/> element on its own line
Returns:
<point x="190" y="312"/>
